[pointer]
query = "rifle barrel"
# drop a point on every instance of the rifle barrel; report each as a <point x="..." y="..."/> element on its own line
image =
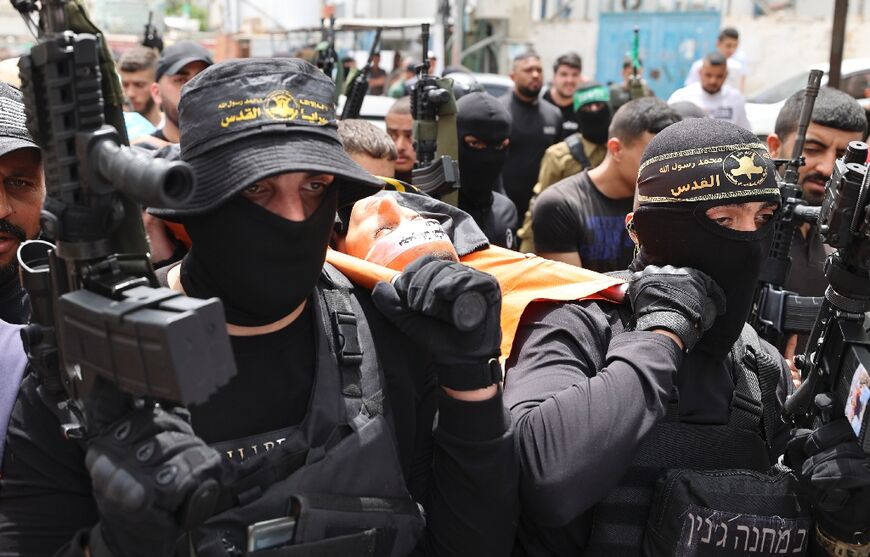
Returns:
<point x="810" y="94"/>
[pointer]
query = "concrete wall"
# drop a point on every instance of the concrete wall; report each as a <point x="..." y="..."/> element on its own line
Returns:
<point x="779" y="46"/>
<point x="776" y="46"/>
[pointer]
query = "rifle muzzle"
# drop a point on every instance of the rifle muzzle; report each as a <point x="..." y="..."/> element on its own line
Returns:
<point x="149" y="181"/>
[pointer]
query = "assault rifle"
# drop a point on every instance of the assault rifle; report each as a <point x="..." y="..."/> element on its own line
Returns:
<point x="635" y="84"/>
<point x="433" y="108"/>
<point x="152" y="38"/>
<point x="360" y="84"/>
<point x="326" y="56"/>
<point x="778" y="313"/>
<point x="97" y="311"/>
<point x="836" y="364"/>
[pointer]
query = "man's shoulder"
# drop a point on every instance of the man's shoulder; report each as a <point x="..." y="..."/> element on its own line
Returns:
<point x="735" y="66"/>
<point x="732" y="94"/>
<point x="549" y="110"/>
<point x="502" y="204"/>
<point x="595" y="152"/>
<point x="683" y="93"/>
<point x="598" y="317"/>
<point x="566" y="191"/>
<point x="558" y="150"/>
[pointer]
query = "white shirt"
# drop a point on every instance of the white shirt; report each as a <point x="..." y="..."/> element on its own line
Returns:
<point x="727" y="104"/>
<point x="735" y="73"/>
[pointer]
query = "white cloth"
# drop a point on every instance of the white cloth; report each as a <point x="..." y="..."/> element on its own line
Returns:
<point x="736" y="72"/>
<point x="727" y="104"/>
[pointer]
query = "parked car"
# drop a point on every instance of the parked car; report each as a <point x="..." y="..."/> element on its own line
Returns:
<point x="763" y="107"/>
<point x="374" y="108"/>
<point x="495" y="84"/>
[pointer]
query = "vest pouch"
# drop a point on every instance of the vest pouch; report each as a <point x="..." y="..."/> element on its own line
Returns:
<point x="360" y="469"/>
<point x="326" y="524"/>
<point x="720" y="513"/>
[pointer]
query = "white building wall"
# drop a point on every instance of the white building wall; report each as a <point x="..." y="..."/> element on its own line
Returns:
<point x="776" y="46"/>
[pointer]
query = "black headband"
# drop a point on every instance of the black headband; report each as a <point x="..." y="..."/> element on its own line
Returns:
<point x="718" y="172"/>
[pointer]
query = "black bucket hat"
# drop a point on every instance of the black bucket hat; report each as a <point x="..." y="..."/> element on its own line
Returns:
<point x="13" y="127"/>
<point x="245" y="120"/>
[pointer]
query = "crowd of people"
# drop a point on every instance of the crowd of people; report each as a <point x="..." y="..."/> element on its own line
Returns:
<point x="609" y="398"/>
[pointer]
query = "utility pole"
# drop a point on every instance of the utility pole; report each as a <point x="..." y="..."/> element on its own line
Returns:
<point x="838" y="37"/>
<point x="458" y="33"/>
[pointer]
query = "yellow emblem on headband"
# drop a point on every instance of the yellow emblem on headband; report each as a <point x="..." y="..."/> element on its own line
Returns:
<point x="744" y="168"/>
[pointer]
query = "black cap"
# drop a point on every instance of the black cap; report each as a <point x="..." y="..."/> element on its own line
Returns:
<point x="13" y="128"/>
<point x="176" y="56"/>
<point x="245" y="120"/>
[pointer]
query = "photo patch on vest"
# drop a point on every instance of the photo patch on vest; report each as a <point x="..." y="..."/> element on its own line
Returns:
<point x="711" y="533"/>
<point x="857" y="401"/>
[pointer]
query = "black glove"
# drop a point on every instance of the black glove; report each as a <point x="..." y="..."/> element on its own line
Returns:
<point x="835" y="477"/>
<point x="420" y="301"/>
<point x="681" y="300"/>
<point x="152" y="479"/>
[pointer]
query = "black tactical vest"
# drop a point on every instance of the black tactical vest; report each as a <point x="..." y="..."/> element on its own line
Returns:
<point x="697" y="476"/>
<point x="333" y="484"/>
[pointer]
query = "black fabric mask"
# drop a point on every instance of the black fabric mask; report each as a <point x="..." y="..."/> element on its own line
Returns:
<point x="685" y="237"/>
<point x="479" y="170"/>
<point x="484" y="117"/>
<point x="594" y="125"/>
<point x="261" y="265"/>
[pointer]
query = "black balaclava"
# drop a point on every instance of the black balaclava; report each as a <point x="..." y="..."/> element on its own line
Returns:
<point x="261" y="265"/>
<point x="686" y="169"/>
<point x="483" y="116"/>
<point x="593" y="125"/>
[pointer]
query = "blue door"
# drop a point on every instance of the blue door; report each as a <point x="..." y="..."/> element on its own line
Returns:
<point x="669" y="43"/>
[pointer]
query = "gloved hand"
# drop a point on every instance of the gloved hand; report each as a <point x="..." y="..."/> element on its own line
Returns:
<point x="152" y="479"/>
<point x="681" y="300"/>
<point x="419" y="302"/>
<point x="834" y="474"/>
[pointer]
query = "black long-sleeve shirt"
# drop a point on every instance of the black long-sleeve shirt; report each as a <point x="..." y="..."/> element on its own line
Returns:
<point x="583" y="393"/>
<point x="464" y="472"/>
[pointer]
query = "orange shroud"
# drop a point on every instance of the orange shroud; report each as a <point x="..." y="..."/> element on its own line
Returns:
<point x="523" y="279"/>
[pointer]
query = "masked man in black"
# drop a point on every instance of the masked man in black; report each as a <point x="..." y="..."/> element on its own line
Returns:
<point x="328" y="426"/>
<point x="674" y="388"/>
<point x="484" y="128"/>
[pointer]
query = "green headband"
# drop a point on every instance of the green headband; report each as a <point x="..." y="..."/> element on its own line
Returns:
<point x="597" y="94"/>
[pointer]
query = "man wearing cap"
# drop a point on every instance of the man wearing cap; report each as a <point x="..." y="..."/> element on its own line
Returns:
<point x="582" y="150"/>
<point x="178" y="64"/>
<point x="610" y="399"/>
<point x="22" y="193"/>
<point x="325" y="441"/>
